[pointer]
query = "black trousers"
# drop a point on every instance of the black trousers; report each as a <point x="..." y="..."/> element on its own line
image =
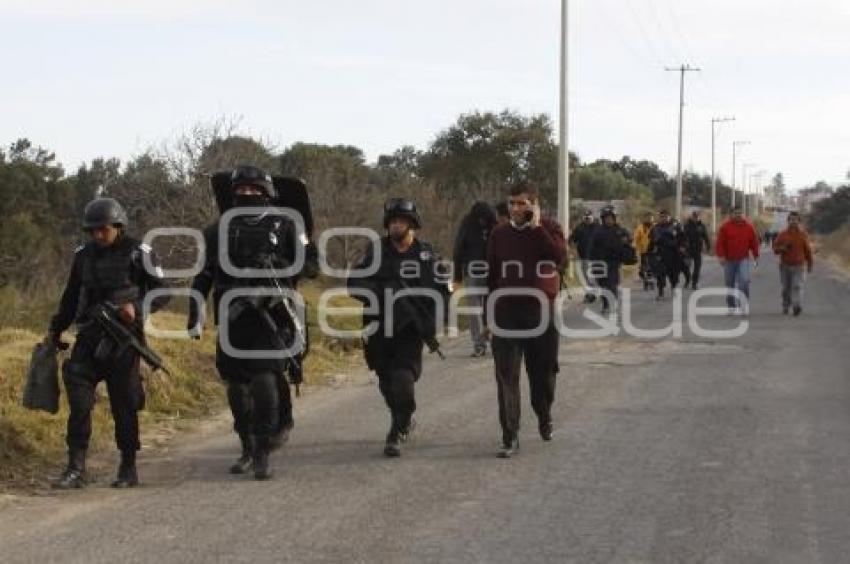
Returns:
<point x="696" y="267"/>
<point x="611" y="282"/>
<point x="541" y="365"/>
<point x="81" y="374"/>
<point x="255" y="403"/>
<point x="668" y="266"/>
<point x="398" y="365"/>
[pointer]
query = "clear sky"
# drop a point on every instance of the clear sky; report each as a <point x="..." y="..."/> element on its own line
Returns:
<point x="91" y="78"/>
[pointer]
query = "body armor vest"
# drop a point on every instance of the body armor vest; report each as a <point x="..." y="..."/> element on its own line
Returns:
<point x="108" y="273"/>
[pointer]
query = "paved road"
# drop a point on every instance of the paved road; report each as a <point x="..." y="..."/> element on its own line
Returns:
<point x="674" y="450"/>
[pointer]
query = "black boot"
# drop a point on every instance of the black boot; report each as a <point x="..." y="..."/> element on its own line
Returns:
<point x="262" y="471"/>
<point x="546" y="430"/>
<point x="127" y="475"/>
<point x="74" y="476"/>
<point x="243" y="464"/>
<point x="510" y="446"/>
<point x="281" y="437"/>
<point x="406" y="431"/>
<point x="392" y="448"/>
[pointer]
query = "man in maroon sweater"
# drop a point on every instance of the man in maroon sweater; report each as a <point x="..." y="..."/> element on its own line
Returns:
<point x="525" y="254"/>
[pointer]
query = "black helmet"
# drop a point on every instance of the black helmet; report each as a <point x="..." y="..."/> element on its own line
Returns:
<point x="606" y="211"/>
<point x="102" y="212"/>
<point x="401" y="207"/>
<point x="247" y="175"/>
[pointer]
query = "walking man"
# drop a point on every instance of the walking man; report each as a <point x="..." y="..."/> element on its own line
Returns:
<point x="794" y="250"/>
<point x="109" y="270"/>
<point x="525" y="255"/>
<point x="696" y="239"/>
<point x="666" y="241"/>
<point x="737" y="242"/>
<point x="641" y="241"/>
<point x="259" y="318"/>
<point x="607" y="251"/>
<point x="470" y="264"/>
<point x="406" y="318"/>
<point x="580" y="239"/>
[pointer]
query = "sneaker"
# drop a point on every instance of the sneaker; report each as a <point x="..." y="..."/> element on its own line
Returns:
<point x="479" y="352"/>
<point x="509" y="448"/>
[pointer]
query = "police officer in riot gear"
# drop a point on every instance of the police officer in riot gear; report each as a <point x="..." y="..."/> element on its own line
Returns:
<point x="666" y="247"/>
<point x="606" y="249"/>
<point x="394" y="350"/>
<point x="266" y="241"/>
<point x="108" y="269"/>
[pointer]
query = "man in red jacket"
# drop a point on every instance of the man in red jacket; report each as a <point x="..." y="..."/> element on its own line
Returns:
<point x="525" y="254"/>
<point x="736" y="242"/>
<point x="794" y="250"/>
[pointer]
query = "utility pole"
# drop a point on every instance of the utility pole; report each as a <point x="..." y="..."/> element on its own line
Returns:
<point x="682" y="70"/>
<point x="734" y="188"/>
<point x="744" y="168"/>
<point x="714" y="174"/>
<point x="564" y="149"/>
<point x="756" y="187"/>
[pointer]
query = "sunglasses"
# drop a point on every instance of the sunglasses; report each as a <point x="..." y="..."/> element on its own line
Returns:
<point x="518" y="203"/>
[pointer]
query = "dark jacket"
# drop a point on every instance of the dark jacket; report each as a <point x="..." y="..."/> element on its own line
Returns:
<point x="696" y="237"/>
<point x="471" y="239"/>
<point x="413" y="316"/>
<point x="114" y="274"/>
<point x="607" y="244"/>
<point x="667" y="240"/>
<point x="253" y="323"/>
<point x="580" y="238"/>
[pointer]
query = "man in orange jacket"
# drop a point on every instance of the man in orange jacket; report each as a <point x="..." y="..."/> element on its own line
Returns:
<point x="736" y="241"/>
<point x="794" y="250"/>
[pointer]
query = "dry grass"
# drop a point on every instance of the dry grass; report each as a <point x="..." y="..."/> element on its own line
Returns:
<point x="835" y="248"/>
<point x="32" y="443"/>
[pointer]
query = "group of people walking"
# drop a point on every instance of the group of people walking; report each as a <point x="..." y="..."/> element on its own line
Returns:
<point x="511" y="258"/>
<point x="670" y="254"/>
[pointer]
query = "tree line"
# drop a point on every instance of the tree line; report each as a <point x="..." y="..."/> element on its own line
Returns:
<point x="475" y="158"/>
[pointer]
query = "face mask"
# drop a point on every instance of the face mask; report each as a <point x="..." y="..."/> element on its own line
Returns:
<point x="398" y="237"/>
<point x="249" y="200"/>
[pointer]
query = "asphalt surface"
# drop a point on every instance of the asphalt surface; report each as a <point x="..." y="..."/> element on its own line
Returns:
<point x="687" y="449"/>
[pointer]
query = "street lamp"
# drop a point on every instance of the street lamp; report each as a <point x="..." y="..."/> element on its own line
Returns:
<point x="735" y="145"/>
<point x="564" y="150"/>
<point x="744" y="169"/>
<point x="714" y="173"/>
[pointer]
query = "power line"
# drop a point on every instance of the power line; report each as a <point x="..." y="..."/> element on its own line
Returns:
<point x="682" y="70"/>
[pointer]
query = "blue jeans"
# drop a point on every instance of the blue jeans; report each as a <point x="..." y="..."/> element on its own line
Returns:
<point x="737" y="274"/>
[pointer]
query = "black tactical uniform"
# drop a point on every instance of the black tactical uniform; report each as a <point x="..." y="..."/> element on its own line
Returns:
<point x="696" y="239"/>
<point x="607" y="245"/>
<point x="257" y="390"/>
<point x="114" y="274"/>
<point x="396" y="356"/>
<point x="666" y="242"/>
